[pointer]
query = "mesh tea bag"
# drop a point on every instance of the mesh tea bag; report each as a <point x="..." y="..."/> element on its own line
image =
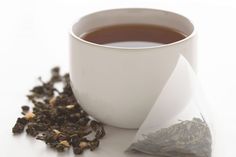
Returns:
<point x="177" y="125"/>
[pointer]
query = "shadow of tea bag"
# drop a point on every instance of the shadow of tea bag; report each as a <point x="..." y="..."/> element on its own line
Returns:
<point x="177" y="125"/>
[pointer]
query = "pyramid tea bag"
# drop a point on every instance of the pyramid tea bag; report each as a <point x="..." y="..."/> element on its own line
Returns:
<point x="177" y="124"/>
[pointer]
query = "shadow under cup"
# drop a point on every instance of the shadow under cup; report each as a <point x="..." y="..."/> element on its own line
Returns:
<point x="119" y="85"/>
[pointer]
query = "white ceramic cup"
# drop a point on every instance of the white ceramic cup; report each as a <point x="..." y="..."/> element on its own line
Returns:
<point x="119" y="85"/>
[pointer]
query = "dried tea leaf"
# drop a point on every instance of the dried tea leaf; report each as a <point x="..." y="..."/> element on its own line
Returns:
<point x="29" y="115"/>
<point x="57" y="118"/>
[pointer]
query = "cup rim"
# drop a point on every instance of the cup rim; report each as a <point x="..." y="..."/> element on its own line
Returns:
<point x="71" y="32"/>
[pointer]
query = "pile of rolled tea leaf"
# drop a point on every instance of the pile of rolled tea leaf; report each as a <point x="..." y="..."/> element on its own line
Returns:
<point x="57" y="119"/>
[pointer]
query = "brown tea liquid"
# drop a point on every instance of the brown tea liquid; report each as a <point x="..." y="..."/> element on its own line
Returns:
<point x="133" y="35"/>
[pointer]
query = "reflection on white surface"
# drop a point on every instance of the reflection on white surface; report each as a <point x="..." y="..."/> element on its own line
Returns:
<point x="115" y="143"/>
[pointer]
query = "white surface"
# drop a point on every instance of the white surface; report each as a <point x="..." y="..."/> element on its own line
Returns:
<point x="125" y="80"/>
<point x="33" y="38"/>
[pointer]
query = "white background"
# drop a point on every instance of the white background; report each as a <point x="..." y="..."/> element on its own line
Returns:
<point x="34" y="37"/>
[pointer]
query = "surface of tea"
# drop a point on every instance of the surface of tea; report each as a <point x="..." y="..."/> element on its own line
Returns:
<point x="133" y="35"/>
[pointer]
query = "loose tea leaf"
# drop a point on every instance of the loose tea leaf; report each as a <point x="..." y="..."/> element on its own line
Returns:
<point x="190" y="138"/>
<point x="25" y="108"/>
<point x="20" y="125"/>
<point x="57" y="118"/>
